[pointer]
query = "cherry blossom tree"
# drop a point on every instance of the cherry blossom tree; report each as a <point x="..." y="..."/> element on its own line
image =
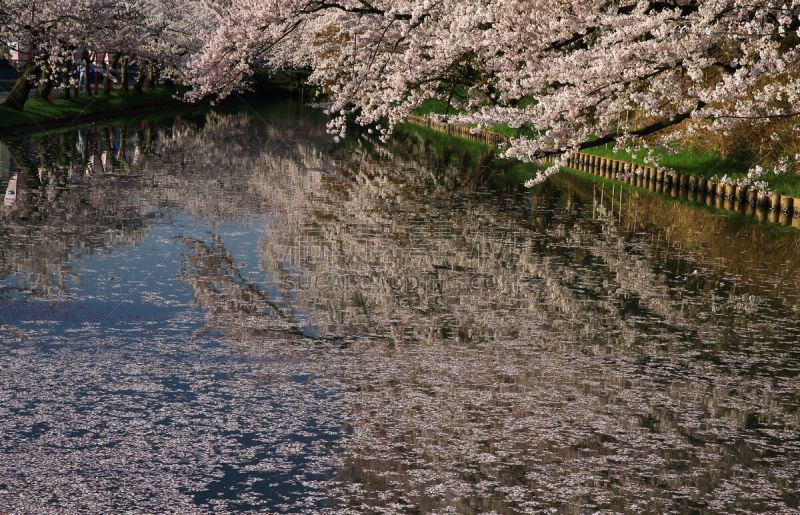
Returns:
<point x="44" y="34"/>
<point x="166" y="33"/>
<point x="156" y="34"/>
<point x="576" y="73"/>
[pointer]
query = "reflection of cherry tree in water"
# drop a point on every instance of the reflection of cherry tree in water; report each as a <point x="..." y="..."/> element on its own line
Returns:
<point x="215" y="172"/>
<point x="84" y="191"/>
<point x="71" y="203"/>
<point x="91" y="189"/>
<point x="499" y="357"/>
<point x="233" y="306"/>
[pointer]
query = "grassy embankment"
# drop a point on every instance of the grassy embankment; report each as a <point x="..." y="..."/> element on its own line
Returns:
<point x="698" y="223"/>
<point x="39" y="115"/>
<point x="478" y="159"/>
<point x="683" y="160"/>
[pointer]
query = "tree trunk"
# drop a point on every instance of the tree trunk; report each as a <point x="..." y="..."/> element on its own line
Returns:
<point x="141" y="75"/>
<point x="450" y="99"/>
<point x="108" y="85"/>
<point x="123" y="74"/>
<point x="152" y="76"/>
<point x="77" y="90"/>
<point x="87" y="66"/>
<point x="44" y="89"/>
<point x="22" y="88"/>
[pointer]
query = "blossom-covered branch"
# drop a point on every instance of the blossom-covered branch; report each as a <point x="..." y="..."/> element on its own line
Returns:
<point x="586" y="71"/>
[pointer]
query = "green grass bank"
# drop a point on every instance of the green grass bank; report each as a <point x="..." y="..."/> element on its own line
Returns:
<point x="685" y="161"/>
<point x="40" y="115"/>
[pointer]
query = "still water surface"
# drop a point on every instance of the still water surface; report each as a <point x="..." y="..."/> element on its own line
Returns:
<point x="225" y="311"/>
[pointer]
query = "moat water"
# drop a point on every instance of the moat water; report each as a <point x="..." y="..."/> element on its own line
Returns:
<point x="226" y="311"/>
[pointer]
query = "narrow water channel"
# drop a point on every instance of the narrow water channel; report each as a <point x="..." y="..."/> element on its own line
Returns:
<point x="228" y="311"/>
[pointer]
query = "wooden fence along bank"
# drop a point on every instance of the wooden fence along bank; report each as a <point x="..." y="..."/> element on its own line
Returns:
<point x="775" y="208"/>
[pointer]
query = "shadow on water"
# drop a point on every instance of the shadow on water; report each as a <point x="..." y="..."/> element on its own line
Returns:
<point x="227" y="311"/>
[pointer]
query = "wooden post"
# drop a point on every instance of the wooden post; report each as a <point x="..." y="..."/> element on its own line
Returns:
<point x="729" y="191"/>
<point x="775" y="202"/>
<point x="796" y="212"/>
<point x="740" y="193"/>
<point x="787" y="203"/>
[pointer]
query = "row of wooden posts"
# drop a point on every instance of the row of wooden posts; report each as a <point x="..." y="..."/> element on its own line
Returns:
<point x="725" y="195"/>
<point x="774" y="207"/>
